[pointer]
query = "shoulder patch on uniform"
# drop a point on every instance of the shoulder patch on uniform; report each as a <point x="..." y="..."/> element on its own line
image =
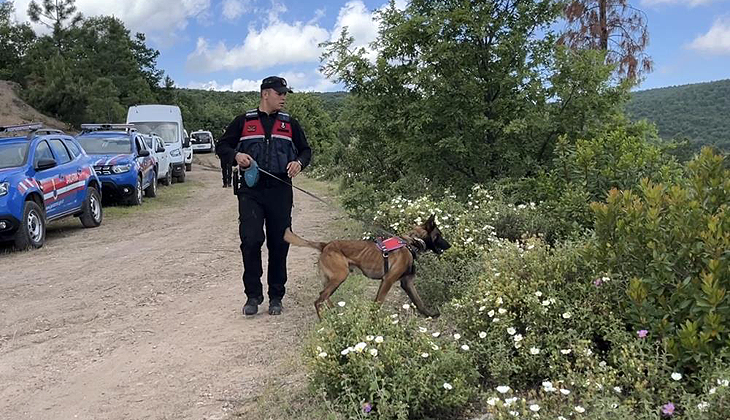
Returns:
<point x="252" y="114"/>
<point x="283" y="116"/>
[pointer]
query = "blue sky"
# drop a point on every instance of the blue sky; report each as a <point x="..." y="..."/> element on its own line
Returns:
<point x="233" y="44"/>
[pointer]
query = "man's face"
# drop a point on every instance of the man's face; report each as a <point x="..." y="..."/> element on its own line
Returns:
<point x="274" y="100"/>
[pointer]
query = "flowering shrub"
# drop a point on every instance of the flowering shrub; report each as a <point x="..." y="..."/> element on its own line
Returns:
<point x="371" y="364"/>
<point x="672" y="243"/>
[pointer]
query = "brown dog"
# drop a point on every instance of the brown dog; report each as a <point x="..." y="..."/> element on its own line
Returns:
<point x="338" y="257"/>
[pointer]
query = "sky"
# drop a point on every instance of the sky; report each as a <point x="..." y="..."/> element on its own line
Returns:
<point x="233" y="44"/>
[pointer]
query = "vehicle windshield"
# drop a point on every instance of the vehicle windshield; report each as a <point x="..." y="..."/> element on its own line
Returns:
<point x="201" y="137"/>
<point x="168" y="131"/>
<point x="105" y="145"/>
<point x="13" y="155"/>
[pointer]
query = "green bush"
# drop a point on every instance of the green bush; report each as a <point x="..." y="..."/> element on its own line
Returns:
<point x="371" y="364"/>
<point x="671" y="244"/>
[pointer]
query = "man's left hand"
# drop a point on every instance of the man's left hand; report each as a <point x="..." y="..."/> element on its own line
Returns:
<point x="293" y="168"/>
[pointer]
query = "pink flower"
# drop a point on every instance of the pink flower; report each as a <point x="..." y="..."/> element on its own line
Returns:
<point x="366" y="408"/>
<point x="668" y="409"/>
<point x="598" y="282"/>
<point x="642" y="333"/>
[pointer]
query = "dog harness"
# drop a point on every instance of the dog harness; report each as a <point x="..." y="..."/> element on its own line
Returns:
<point x="387" y="246"/>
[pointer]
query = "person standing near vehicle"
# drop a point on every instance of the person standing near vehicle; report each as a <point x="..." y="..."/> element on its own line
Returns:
<point x="277" y="144"/>
<point x="226" y="165"/>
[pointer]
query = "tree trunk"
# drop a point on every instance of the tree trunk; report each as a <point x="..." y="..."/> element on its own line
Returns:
<point x="603" y="24"/>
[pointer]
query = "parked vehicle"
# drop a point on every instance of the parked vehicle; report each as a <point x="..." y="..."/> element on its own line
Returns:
<point x="156" y="146"/>
<point x="165" y="121"/>
<point x="122" y="161"/>
<point x="44" y="176"/>
<point x="202" y="141"/>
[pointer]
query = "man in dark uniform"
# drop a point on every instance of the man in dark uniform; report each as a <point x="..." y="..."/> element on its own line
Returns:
<point x="277" y="143"/>
<point x="226" y="165"/>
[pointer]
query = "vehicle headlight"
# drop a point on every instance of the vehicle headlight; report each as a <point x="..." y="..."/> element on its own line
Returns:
<point x="4" y="188"/>
<point x="175" y="152"/>
<point x="119" y="169"/>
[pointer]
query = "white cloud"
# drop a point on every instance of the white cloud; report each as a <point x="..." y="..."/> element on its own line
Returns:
<point x="296" y="42"/>
<point x="233" y="9"/>
<point x="691" y="3"/>
<point x="716" y="40"/>
<point x="311" y="81"/>
<point x="161" y="20"/>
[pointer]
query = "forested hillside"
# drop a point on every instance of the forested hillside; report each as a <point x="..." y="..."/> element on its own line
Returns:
<point x="699" y="112"/>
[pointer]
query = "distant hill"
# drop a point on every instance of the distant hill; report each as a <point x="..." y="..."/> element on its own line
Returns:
<point x="699" y="112"/>
<point x="14" y="110"/>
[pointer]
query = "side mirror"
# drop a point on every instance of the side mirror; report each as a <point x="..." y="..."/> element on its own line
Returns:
<point x="143" y="153"/>
<point x="160" y="150"/>
<point x="46" y="163"/>
<point x="186" y="143"/>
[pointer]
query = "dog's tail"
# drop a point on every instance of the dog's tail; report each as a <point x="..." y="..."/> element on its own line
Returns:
<point x="295" y="240"/>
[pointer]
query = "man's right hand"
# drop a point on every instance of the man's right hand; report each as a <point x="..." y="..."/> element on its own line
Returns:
<point x="243" y="160"/>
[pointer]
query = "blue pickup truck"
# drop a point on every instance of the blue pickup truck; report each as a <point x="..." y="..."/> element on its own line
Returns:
<point x="122" y="160"/>
<point x="44" y="175"/>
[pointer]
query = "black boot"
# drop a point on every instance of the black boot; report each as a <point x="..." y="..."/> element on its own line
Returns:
<point x="252" y="305"/>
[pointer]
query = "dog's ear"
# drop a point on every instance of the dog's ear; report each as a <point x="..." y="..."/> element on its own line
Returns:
<point x="430" y="223"/>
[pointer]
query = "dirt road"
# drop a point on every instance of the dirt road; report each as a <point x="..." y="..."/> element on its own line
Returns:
<point x="141" y="317"/>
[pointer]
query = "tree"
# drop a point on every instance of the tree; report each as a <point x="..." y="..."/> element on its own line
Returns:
<point x="54" y="14"/>
<point x="14" y="43"/>
<point x="104" y="103"/>
<point x="613" y="26"/>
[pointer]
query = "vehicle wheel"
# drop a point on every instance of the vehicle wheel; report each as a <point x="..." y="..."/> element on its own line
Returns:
<point x="181" y="178"/>
<point x="92" y="212"/>
<point x="188" y="167"/>
<point x="32" y="230"/>
<point x="167" y="180"/>
<point x="151" y="191"/>
<point x="136" y="198"/>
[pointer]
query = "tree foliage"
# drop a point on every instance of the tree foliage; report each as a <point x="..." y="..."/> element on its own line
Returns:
<point x="613" y="26"/>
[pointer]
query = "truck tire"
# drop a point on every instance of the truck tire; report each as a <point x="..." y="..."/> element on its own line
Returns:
<point x="151" y="191"/>
<point x="167" y="180"/>
<point x="181" y="178"/>
<point x="136" y="198"/>
<point x="92" y="213"/>
<point x="188" y="167"/>
<point x="32" y="230"/>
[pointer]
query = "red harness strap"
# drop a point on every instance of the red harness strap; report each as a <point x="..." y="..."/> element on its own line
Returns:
<point x="387" y="246"/>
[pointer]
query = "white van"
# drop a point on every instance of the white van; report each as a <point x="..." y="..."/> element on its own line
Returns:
<point x="166" y="122"/>
<point x="188" y="150"/>
<point x="202" y="141"/>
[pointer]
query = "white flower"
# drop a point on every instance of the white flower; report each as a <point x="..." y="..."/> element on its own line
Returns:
<point x="703" y="406"/>
<point x="373" y="352"/>
<point x="436" y="334"/>
<point x="434" y="347"/>
<point x="394" y="316"/>
<point x="548" y="386"/>
<point x="534" y="350"/>
<point x="567" y="315"/>
<point x="495" y="320"/>
<point x="511" y="331"/>
<point x="515" y="413"/>
<point x="406" y="306"/>
<point x="457" y="336"/>
<point x="345" y="351"/>
<point x="482" y="334"/>
<point x="617" y="389"/>
<point x="424" y="355"/>
<point x="369" y="338"/>
<point x="395" y="321"/>
<point x="561" y="418"/>
<point x="588" y="352"/>
<point x="535" y="408"/>
<point x="465" y="347"/>
<point x="422" y="329"/>
<point x="503" y="389"/>
<point x="712" y="390"/>
<point x="602" y="363"/>
<point x="359" y="347"/>
<point x="509" y="401"/>
<point x="492" y="401"/>
<point x="341" y="303"/>
<point x="323" y="355"/>
<point x="580" y="409"/>
<point x="538" y="293"/>
<point x="518" y="337"/>
<point x="499" y="300"/>
<point x="502" y="311"/>
<point x="676" y="376"/>
<point x="379" y="339"/>
<point x="482" y="308"/>
<point x="545" y="302"/>
<point x="723" y="382"/>
<point x="491" y="313"/>
<point x="564" y="391"/>
<point x="565" y="351"/>
<point x="447" y="386"/>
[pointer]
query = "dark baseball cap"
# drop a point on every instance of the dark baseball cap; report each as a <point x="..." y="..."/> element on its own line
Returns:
<point x="277" y="83"/>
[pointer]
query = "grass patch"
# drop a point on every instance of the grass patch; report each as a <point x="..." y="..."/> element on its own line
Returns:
<point x="167" y="196"/>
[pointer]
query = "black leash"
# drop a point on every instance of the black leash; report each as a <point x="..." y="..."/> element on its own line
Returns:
<point x="325" y="202"/>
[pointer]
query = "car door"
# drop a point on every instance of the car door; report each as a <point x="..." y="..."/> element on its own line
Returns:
<point x="48" y="179"/>
<point x="68" y="188"/>
<point x="163" y="157"/>
<point x="82" y="168"/>
<point x="146" y="163"/>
